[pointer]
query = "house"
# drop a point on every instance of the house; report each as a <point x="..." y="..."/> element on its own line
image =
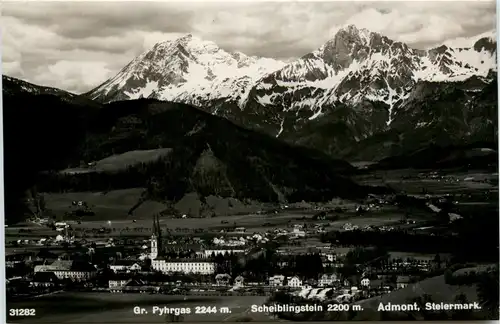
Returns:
<point x="276" y="281"/>
<point x="402" y="281"/>
<point x="297" y="232"/>
<point x="222" y="279"/>
<point x="240" y="230"/>
<point x="69" y="269"/>
<point x="329" y="257"/>
<point x="117" y="283"/>
<point x="294" y="282"/>
<point x="239" y="281"/>
<point x="365" y="282"/>
<point x="125" y="266"/>
<point x="61" y="226"/>
<point x="134" y="285"/>
<point x="327" y="279"/>
<point x="139" y="286"/>
<point x="283" y="263"/>
<point x="329" y="261"/>
<point x="45" y="279"/>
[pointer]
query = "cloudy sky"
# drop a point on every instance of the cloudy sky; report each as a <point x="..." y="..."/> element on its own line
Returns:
<point x="78" y="45"/>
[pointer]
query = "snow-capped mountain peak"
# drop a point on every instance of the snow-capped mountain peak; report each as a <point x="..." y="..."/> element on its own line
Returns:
<point x="187" y="69"/>
<point x="358" y="65"/>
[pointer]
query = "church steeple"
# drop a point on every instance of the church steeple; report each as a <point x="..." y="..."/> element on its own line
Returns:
<point x="155" y="239"/>
<point x="160" y="242"/>
<point x="155" y="231"/>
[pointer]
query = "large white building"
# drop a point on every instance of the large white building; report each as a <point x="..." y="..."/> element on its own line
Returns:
<point x="194" y="265"/>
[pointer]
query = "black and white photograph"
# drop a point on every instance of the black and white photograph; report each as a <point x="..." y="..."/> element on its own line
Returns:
<point x="256" y="161"/>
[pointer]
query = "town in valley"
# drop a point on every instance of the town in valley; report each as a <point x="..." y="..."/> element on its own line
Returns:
<point x="250" y="161"/>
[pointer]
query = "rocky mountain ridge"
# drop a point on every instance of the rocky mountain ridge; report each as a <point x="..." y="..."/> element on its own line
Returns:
<point x="354" y="85"/>
<point x="356" y="65"/>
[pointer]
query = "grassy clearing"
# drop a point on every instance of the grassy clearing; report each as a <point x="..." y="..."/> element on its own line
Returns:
<point x="120" y="162"/>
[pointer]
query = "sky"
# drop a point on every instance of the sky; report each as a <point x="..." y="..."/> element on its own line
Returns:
<point x="76" y="46"/>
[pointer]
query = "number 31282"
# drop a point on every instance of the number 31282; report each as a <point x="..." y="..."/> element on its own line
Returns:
<point x="22" y="312"/>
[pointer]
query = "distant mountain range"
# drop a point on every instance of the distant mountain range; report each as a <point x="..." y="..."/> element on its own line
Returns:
<point x="360" y="96"/>
<point x="357" y="85"/>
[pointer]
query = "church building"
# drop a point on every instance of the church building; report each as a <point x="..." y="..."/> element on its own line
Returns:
<point x="160" y="262"/>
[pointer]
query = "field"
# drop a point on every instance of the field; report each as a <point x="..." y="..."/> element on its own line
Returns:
<point x="120" y="162"/>
<point x="107" y="206"/>
<point x="118" y="308"/>
<point x="254" y="223"/>
<point x="412" y="181"/>
<point x="473" y="190"/>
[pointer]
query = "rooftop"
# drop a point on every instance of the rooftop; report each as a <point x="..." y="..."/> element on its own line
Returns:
<point x="67" y="265"/>
<point x="184" y="260"/>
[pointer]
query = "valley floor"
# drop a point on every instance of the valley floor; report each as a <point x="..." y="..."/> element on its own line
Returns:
<point x="473" y="192"/>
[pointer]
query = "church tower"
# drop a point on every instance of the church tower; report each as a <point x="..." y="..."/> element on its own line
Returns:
<point x="155" y="237"/>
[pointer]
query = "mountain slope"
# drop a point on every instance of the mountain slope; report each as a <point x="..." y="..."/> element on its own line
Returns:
<point x="440" y="125"/>
<point x="41" y="132"/>
<point x="16" y="87"/>
<point x="13" y="86"/>
<point x="209" y="155"/>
